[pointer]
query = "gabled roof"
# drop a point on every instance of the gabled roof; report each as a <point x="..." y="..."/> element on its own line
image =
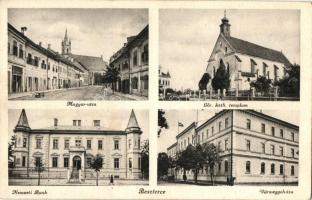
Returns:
<point x="133" y="123"/>
<point x="91" y="63"/>
<point x="22" y="123"/>
<point x="248" y="48"/>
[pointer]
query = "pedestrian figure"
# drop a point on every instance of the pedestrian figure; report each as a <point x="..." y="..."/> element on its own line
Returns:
<point x="111" y="180"/>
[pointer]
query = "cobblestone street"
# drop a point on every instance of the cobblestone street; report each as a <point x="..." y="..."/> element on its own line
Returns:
<point x="82" y="93"/>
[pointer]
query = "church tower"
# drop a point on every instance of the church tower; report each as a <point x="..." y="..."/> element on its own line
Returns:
<point x="133" y="148"/>
<point x="66" y="44"/>
<point x="225" y="27"/>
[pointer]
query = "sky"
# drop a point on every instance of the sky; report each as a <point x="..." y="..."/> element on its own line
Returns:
<point x="187" y="37"/>
<point x="112" y="119"/>
<point x="186" y="117"/>
<point x="93" y="32"/>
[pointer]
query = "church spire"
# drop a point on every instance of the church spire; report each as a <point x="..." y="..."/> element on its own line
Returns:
<point x="66" y="37"/>
<point x="66" y="44"/>
<point x="22" y="124"/>
<point x="225" y="26"/>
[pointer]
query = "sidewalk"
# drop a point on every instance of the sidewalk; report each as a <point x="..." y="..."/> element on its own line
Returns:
<point x="131" y="96"/>
<point x="32" y="93"/>
<point x="64" y="182"/>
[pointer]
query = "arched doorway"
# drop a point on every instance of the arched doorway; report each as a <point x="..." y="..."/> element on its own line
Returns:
<point x="77" y="162"/>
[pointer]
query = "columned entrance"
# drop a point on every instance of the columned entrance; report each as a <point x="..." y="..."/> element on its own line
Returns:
<point x="76" y="171"/>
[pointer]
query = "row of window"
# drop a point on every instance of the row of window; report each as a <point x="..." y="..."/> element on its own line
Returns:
<point x="144" y="55"/>
<point x="78" y="143"/>
<point x="273" y="133"/>
<point x="32" y="60"/>
<point x="201" y="136"/>
<point x="88" y="162"/>
<point x="272" y="149"/>
<point x="248" y="168"/>
<point x="272" y="168"/>
<point x="17" y="51"/>
<point x="164" y="82"/>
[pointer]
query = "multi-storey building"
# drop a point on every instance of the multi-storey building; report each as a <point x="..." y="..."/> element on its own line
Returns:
<point x="132" y="62"/>
<point x="164" y="79"/>
<point x="245" y="61"/>
<point x="31" y="67"/>
<point x="253" y="147"/>
<point x="68" y="151"/>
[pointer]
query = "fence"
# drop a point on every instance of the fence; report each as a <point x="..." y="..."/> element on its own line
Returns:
<point x="244" y="95"/>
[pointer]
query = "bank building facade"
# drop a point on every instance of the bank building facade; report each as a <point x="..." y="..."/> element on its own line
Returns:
<point x="67" y="151"/>
<point x="254" y="148"/>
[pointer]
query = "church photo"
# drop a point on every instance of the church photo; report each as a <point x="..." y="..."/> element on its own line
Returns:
<point x="230" y="54"/>
<point x="77" y="54"/>
<point x="78" y="147"/>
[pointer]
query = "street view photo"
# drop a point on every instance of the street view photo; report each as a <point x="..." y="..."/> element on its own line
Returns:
<point x="78" y="54"/>
<point x="251" y="55"/>
<point x="108" y="147"/>
<point x="228" y="147"/>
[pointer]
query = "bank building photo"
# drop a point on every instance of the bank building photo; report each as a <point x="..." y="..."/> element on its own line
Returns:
<point x="67" y="153"/>
<point x="252" y="148"/>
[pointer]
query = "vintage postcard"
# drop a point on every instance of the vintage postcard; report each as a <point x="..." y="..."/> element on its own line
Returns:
<point x="155" y="99"/>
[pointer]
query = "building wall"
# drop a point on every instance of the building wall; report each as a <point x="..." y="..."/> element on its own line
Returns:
<point x="237" y="68"/>
<point x="44" y="76"/>
<point x="139" y="71"/>
<point x="16" y="62"/>
<point x="247" y="146"/>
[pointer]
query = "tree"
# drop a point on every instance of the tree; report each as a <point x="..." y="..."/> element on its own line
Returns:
<point x="202" y="85"/>
<point x="97" y="165"/>
<point x="39" y="167"/>
<point x="262" y="84"/>
<point x="211" y="158"/>
<point x="191" y="159"/>
<point x="290" y="84"/>
<point x="221" y="80"/>
<point x="162" y="164"/>
<point x="11" y="145"/>
<point x="111" y="76"/>
<point x="145" y="159"/>
<point x="162" y="121"/>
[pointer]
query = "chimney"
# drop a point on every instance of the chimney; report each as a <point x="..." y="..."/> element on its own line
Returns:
<point x="23" y="29"/>
<point x="40" y="43"/>
<point x="55" y="122"/>
<point x="49" y="46"/>
<point x="102" y="57"/>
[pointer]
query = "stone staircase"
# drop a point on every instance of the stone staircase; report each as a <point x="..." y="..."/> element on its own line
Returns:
<point x="74" y="178"/>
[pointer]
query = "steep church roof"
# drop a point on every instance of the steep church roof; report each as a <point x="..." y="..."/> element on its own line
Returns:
<point x="91" y="63"/>
<point x="133" y="123"/>
<point x="22" y="123"/>
<point x="245" y="47"/>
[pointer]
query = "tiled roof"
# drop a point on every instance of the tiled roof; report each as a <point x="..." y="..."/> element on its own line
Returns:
<point x="23" y="121"/>
<point x="244" y="47"/>
<point x="90" y="63"/>
<point x="133" y="123"/>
